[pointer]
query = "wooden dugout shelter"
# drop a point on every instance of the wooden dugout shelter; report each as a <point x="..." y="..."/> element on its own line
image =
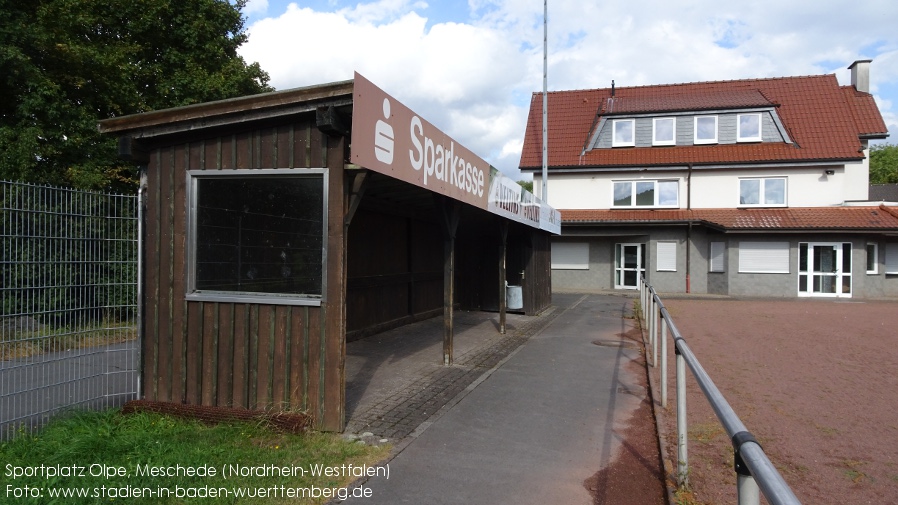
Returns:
<point x="276" y="227"/>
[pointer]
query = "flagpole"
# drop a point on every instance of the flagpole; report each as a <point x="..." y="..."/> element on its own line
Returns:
<point x="545" y="190"/>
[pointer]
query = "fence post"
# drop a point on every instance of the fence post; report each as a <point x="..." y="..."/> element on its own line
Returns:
<point x="663" y="362"/>
<point x="650" y="321"/>
<point x="747" y="488"/>
<point x="656" y="310"/>
<point x="682" y="450"/>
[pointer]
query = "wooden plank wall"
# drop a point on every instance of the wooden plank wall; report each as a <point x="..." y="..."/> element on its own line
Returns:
<point x="537" y="290"/>
<point x="254" y="356"/>
<point x="395" y="272"/>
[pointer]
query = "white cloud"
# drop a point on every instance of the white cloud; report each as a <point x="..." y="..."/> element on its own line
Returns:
<point x="475" y="80"/>
<point x="255" y="7"/>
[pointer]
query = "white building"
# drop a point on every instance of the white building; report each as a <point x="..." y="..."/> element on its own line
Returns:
<point x="754" y="187"/>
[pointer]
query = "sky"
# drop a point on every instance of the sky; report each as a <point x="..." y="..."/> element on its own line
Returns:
<point x="471" y="67"/>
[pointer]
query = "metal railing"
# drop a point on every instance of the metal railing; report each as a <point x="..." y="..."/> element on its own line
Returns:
<point x="68" y="318"/>
<point x="754" y="471"/>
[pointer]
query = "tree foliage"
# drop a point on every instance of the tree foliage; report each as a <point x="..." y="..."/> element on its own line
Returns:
<point x="884" y="164"/>
<point x="66" y="64"/>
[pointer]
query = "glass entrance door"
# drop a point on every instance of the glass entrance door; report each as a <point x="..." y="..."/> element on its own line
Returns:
<point x="824" y="269"/>
<point x="629" y="264"/>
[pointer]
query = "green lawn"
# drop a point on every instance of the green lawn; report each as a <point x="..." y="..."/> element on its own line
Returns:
<point x="151" y="458"/>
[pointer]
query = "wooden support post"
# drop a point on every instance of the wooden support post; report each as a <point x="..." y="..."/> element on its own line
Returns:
<point x="503" y="305"/>
<point x="450" y="212"/>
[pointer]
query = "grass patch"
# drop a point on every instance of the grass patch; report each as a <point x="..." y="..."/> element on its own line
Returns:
<point x="853" y="470"/>
<point x="705" y="432"/>
<point x="132" y="444"/>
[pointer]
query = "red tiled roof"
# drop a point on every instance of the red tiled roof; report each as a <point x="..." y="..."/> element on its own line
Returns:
<point x="881" y="218"/>
<point x="865" y="113"/>
<point x="666" y="102"/>
<point x="823" y="120"/>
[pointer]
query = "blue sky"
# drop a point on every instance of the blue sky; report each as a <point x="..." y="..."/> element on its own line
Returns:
<point x="471" y="67"/>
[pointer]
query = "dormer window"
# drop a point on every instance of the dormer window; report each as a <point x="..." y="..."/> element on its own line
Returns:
<point x="664" y="131"/>
<point x="705" y="130"/>
<point x="748" y="128"/>
<point x="624" y="133"/>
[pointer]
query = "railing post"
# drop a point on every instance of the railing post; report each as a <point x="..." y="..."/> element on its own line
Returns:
<point x="682" y="450"/>
<point x="663" y="362"/>
<point x="656" y="311"/>
<point x="748" y="490"/>
<point x="650" y="322"/>
<point x="642" y="299"/>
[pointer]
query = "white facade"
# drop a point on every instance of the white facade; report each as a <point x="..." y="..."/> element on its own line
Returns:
<point x="715" y="188"/>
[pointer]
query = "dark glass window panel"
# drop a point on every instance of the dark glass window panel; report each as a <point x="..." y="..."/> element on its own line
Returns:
<point x="260" y="235"/>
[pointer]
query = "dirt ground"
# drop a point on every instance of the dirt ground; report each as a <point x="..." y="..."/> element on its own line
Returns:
<point x="816" y="381"/>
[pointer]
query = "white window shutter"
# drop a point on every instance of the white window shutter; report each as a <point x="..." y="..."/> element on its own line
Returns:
<point x="892" y="258"/>
<point x="667" y="257"/>
<point x="717" y="257"/>
<point x="570" y="256"/>
<point x="764" y="257"/>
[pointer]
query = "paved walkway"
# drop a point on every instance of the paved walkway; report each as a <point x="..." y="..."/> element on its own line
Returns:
<point x="523" y="418"/>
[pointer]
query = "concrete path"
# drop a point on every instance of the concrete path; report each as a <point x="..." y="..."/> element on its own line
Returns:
<point x="533" y="428"/>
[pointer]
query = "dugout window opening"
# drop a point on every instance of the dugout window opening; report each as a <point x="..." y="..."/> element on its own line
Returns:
<point x="257" y="236"/>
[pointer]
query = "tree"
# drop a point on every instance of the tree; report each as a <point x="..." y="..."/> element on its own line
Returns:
<point x="884" y="164"/>
<point x="66" y="64"/>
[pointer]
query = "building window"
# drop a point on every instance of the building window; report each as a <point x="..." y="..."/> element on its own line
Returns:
<point x="706" y="130"/>
<point x="664" y="131"/>
<point x="872" y="258"/>
<point x="257" y="236"/>
<point x="667" y="257"/>
<point x="716" y="263"/>
<point x="748" y="128"/>
<point x="647" y="193"/>
<point x="764" y="257"/>
<point x="570" y="256"/>
<point x="623" y="133"/>
<point x="761" y="192"/>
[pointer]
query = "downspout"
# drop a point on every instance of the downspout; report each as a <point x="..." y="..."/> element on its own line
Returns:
<point x="689" y="226"/>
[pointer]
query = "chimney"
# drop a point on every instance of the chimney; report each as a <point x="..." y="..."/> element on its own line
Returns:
<point x="860" y="75"/>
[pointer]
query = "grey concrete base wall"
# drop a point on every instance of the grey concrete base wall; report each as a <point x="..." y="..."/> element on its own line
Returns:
<point x="600" y="275"/>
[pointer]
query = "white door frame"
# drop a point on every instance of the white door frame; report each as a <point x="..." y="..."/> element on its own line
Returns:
<point x="620" y="268"/>
<point x="827" y="274"/>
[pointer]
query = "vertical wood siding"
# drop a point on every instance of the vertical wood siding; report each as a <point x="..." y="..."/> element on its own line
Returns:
<point x="254" y="356"/>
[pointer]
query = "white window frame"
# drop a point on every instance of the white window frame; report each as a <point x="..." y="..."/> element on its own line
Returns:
<point x="695" y="137"/>
<point x="717" y="260"/>
<point x="570" y="255"/>
<point x="654" y="205"/>
<point x="742" y="138"/>
<point x="764" y="257"/>
<point x="761" y="192"/>
<point x="673" y="139"/>
<point x="875" y="255"/>
<point x="615" y="142"/>
<point x="666" y="257"/>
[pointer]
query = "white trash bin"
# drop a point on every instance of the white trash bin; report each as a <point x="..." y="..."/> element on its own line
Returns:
<point x="514" y="297"/>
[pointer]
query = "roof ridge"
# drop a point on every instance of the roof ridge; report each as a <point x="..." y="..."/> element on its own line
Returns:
<point x="692" y="83"/>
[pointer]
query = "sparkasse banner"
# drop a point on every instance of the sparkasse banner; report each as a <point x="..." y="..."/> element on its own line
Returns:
<point x="389" y="138"/>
